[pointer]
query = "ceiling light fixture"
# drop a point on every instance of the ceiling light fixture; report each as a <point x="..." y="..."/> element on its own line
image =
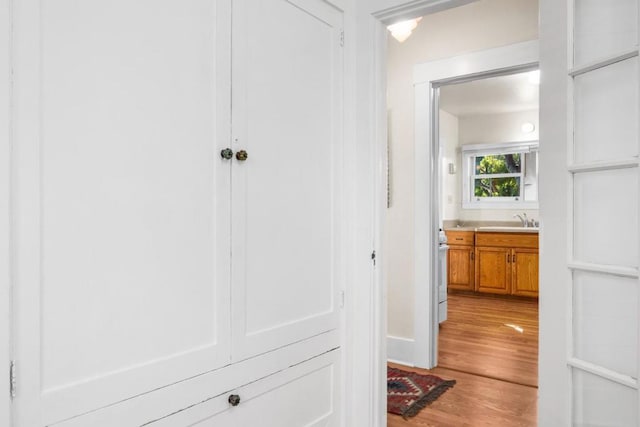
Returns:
<point x="402" y="30"/>
<point x="528" y="127"/>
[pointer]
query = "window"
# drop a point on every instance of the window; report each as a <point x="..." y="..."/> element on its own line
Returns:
<point x="500" y="175"/>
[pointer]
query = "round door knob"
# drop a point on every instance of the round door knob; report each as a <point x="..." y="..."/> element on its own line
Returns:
<point x="234" y="400"/>
<point x="242" y="155"/>
<point x="227" y="153"/>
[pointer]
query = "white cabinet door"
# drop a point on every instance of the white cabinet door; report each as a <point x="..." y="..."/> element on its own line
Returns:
<point x="121" y="212"/>
<point x="286" y="197"/>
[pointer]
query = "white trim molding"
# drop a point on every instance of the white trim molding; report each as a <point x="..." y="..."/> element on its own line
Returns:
<point x="477" y="63"/>
<point x="427" y="78"/>
<point x="413" y="9"/>
<point x="400" y="350"/>
<point x="5" y="209"/>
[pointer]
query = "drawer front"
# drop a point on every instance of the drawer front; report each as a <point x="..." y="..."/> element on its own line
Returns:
<point x="204" y="398"/>
<point x="303" y="395"/>
<point x="462" y="238"/>
<point x="507" y="240"/>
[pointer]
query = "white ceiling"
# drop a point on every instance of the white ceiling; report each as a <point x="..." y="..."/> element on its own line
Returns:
<point x="496" y="95"/>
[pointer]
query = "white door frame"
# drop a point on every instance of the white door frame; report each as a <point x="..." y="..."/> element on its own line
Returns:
<point x="427" y="77"/>
<point x="366" y="312"/>
<point x="5" y="171"/>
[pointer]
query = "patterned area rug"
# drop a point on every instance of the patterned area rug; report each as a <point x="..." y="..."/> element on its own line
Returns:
<point x="408" y="393"/>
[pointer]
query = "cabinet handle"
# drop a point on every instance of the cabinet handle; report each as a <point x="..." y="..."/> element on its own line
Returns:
<point x="513" y="258"/>
<point x="226" y="154"/>
<point x="459" y="238"/>
<point x="472" y="255"/>
<point x="242" y="155"/>
<point x="234" y="400"/>
<point x="508" y="259"/>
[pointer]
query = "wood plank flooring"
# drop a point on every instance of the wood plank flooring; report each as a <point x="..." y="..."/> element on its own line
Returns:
<point x="495" y="366"/>
<point x="476" y="338"/>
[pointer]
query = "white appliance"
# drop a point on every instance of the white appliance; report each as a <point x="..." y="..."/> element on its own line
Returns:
<point x="442" y="277"/>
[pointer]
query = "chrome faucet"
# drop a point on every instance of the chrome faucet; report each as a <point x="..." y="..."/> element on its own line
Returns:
<point x="523" y="218"/>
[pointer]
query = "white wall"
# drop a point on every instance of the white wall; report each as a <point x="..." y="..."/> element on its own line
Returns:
<point x="477" y="26"/>
<point x="495" y="128"/>
<point x="451" y="200"/>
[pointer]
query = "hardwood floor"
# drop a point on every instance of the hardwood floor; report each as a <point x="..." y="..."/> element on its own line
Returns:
<point x="476" y="337"/>
<point x="495" y="366"/>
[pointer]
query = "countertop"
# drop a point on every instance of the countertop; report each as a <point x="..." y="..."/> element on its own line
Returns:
<point x="496" y="229"/>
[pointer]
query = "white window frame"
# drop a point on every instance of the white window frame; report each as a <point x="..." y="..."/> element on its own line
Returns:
<point x="470" y="152"/>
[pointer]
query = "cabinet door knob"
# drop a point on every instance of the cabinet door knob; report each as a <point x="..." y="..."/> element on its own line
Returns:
<point x="242" y="155"/>
<point x="234" y="400"/>
<point x="227" y="153"/>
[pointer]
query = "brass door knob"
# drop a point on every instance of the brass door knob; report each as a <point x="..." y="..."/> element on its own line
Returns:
<point x="227" y="153"/>
<point x="242" y="155"/>
<point x="234" y="400"/>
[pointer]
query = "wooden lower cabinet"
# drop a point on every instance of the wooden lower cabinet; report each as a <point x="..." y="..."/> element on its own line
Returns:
<point x="460" y="260"/>
<point x="525" y="272"/>
<point x="493" y="262"/>
<point x="460" y="268"/>
<point x="493" y="270"/>
<point x="507" y="264"/>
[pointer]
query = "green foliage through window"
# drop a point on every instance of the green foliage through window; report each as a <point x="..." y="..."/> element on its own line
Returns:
<point x="502" y="163"/>
<point x="501" y="175"/>
<point x="498" y="186"/>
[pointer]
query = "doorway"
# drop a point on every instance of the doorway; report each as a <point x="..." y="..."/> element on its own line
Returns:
<point x="487" y="137"/>
<point x="428" y="77"/>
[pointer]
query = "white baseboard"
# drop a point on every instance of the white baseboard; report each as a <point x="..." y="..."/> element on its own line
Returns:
<point x="400" y="350"/>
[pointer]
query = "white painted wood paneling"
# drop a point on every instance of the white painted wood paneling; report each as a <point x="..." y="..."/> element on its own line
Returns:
<point x="276" y="401"/>
<point x="165" y="402"/>
<point x="603" y="339"/>
<point x="610" y="92"/>
<point x="554" y="403"/>
<point x="122" y="200"/>
<point x="606" y="208"/>
<point x="287" y="197"/>
<point x="598" y="402"/>
<point x="606" y="336"/>
<point x="604" y="28"/>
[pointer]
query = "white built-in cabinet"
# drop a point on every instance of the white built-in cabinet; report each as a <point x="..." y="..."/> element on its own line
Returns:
<point x="155" y="279"/>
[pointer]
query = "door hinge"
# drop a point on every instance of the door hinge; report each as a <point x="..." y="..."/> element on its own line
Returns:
<point x="373" y="257"/>
<point x="12" y="379"/>
<point x="341" y="37"/>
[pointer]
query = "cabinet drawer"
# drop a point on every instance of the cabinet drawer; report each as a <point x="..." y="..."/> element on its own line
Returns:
<point x="205" y="397"/>
<point x="507" y="240"/>
<point x="303" y="395"/>
<point x="462" y="238"/>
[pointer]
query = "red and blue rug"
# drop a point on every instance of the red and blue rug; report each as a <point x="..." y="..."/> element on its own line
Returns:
<point x="409" y="392"/>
